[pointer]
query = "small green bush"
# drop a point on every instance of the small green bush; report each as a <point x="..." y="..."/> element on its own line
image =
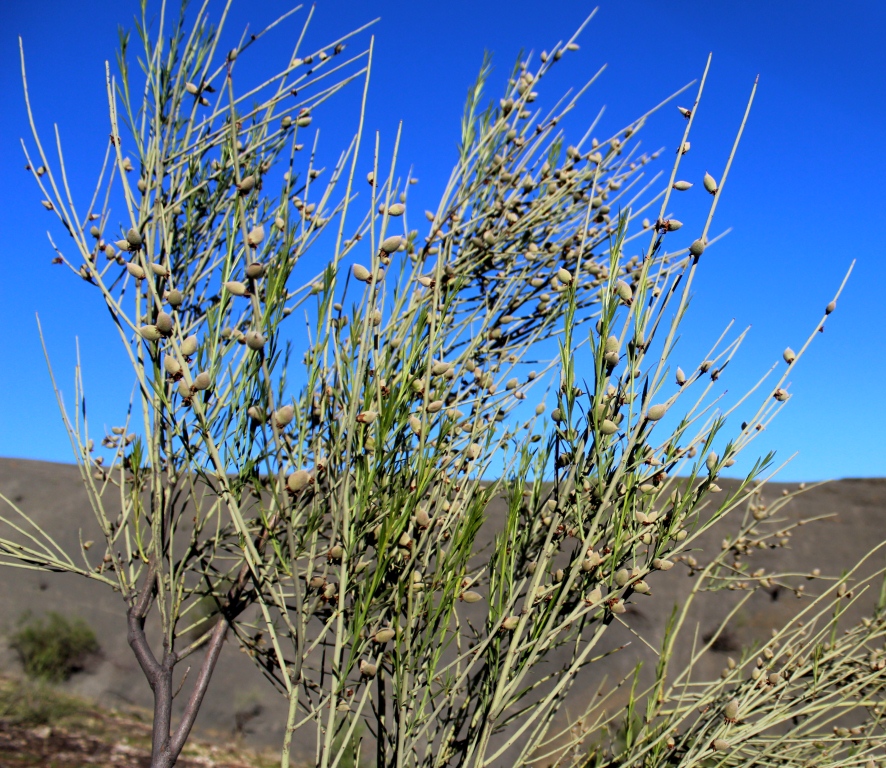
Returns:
<point x="53" y="648"/>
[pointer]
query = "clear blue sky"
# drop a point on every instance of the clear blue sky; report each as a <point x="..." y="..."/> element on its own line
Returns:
<point x="804" y="198"/>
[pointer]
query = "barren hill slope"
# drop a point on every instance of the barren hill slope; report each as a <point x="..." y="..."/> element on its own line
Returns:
<point x="239" y="700"/>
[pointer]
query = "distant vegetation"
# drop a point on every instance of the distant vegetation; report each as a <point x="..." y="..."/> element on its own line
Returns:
<point x="54" y="647"/>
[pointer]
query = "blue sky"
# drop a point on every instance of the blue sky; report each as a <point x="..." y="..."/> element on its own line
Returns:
<point x="804" y="197"/>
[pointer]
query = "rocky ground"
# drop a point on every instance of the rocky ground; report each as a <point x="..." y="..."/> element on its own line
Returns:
<point x="41" y="726"/>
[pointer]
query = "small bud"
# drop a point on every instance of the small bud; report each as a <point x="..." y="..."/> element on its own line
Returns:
<point x="247" y="183"/>
<point x="303" y="120"/>
<point x="171" y="365"/>
<point x="367" y="669"/>
<point x="681" y="377"/>
<point x="618" y="606"/>
<point x="624" y="291"/>
<point x="150" y="333"/>
<point x="731" y="710"/>
<point x="189" y="346"/>
<point x="255" y="340"/>
<point x="564" y="276"/>
<point x="510" y="623"/>
<point x="711" y="461"/>
<point x="789" y="355"/>
<point x="396" y="209"/>
<point x="135" y="270"/>
<point x="682" y="186"/>
<point x="830" y="307"/>
<point x="255" y="270"/>
<point x="391" y="244"/>
<point x="48" y="205"/>
<point x="256" y="414"/>
<point x="283" y="416"/>
<point x="662" y="565"/>
<point x="674" y="225"/>
<point x="622" y="577"/>
<point x="642" y="587"/>
<point x="608" y="427"/>
<point x="656" y="412"/>
<point x="174" y="297"/>
<point x="687" y="113"/>
<point x="780" y="394"/>
<point x="384" y="635"/>
<point x="473" y="450"/>
<point x="236" y="288"/>
<point x="366" y="417"/>
<point x="298" y="480"/>
<point x="710" y="183"/>
<point x="202" y="381"/>
<point x="361" y="273"/>
<point x="470" y="597"/>
<point x="280" y="223"/>
<point x="697" y="247"/>
<point x="134" y="238"/>
<point x="721" y="745"/>
<point x="256" y="236"/>
<point x="164" y="323"/>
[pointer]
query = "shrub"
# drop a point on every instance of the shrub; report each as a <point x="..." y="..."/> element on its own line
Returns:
<point x="332" y="518"/>
<point x="53" y="648"/>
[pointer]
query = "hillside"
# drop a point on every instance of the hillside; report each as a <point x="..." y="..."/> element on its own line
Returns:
<point x="241" y="706"/>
